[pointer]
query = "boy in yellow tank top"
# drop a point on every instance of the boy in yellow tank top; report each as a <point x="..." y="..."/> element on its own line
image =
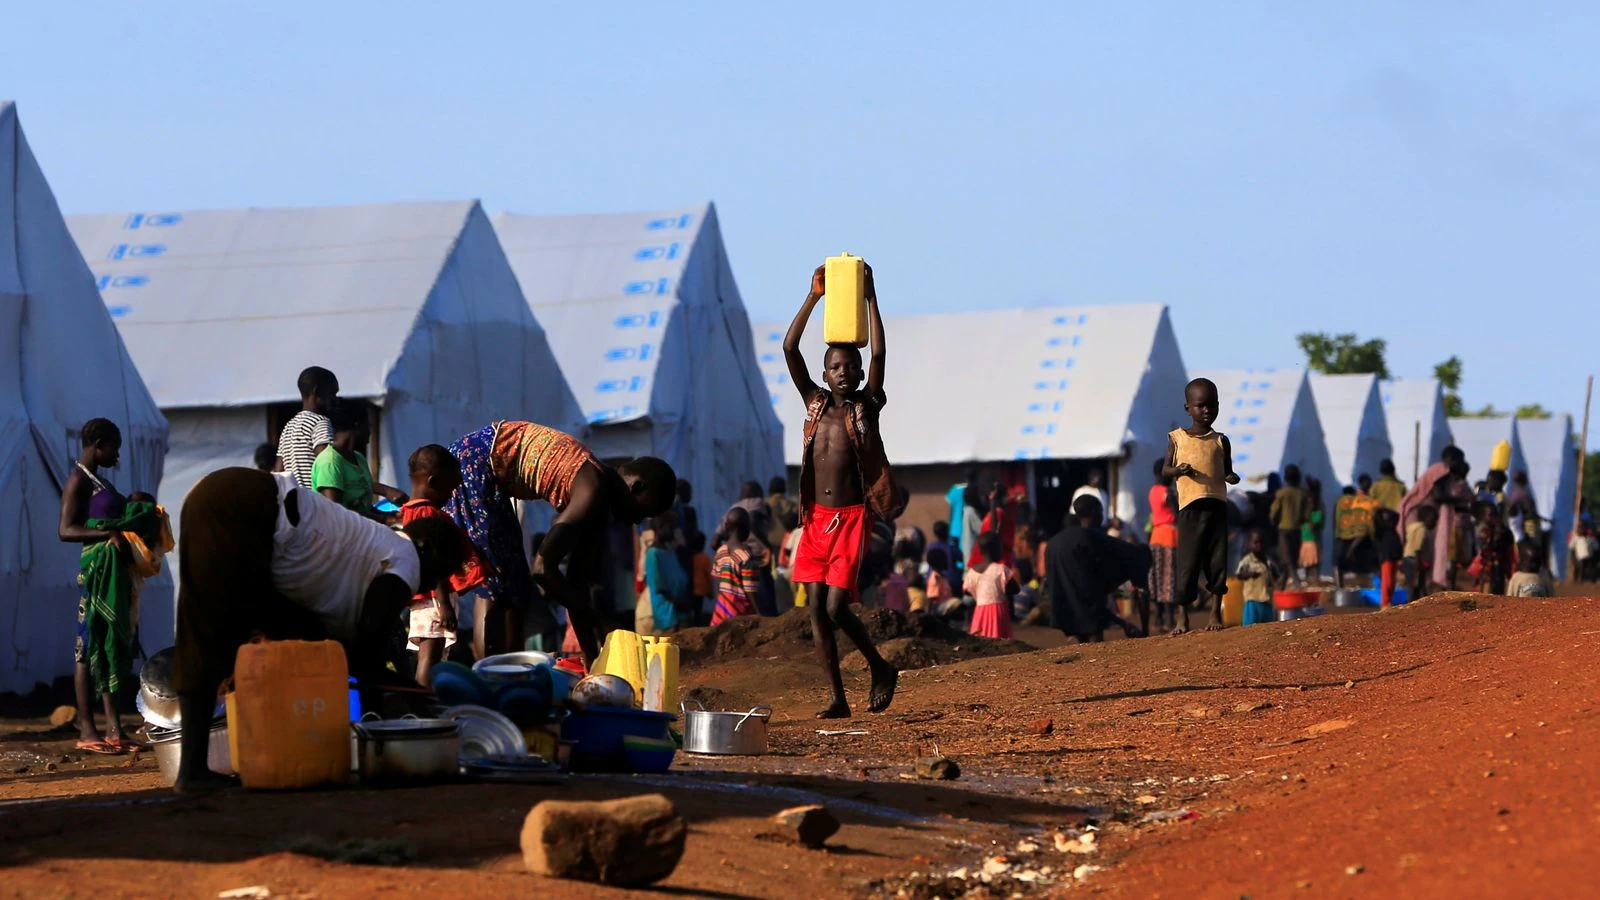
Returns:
<point x="1201" y="460"/>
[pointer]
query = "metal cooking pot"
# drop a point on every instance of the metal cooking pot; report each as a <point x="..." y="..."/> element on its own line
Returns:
<point x="167" y="744"/>
<point x="409" y="749"/>
<point x="718" y="733"/>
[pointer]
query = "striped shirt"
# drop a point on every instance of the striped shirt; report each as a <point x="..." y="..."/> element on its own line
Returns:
<point x="297" y="445"/>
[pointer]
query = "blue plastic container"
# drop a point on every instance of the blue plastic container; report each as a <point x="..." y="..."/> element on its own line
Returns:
<point x="526" y="702"/>
<point x="457" y="685"/>
<point x="1374" y="597"/>
<point x="598" y="733"/>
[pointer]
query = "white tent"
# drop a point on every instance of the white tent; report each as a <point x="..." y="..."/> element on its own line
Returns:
<point x="61" y="364"/>
<point x="647" y="323"/>
<point x="1353" y="423"/>
<point x="1079" y="383"/>
<point x="1477" y="437"/>
<point x="412" y="306"/>
<point x="1552" y="458"/>
<point x="1410" y="406"/>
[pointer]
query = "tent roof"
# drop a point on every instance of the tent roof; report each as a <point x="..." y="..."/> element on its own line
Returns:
<point x="216" y="305"/>
<point x="1477" y="436"/>
<point x="1346" y="408"/>
<point x="604" y="287"/>
<point x="1046" y="383"/>
<point x="1261" y="411"/>
<point x="1407" y="401"/>
<point x="1547" y="448"/>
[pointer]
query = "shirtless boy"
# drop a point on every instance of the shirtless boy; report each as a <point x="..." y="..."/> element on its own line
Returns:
<point x="844" y="483"/>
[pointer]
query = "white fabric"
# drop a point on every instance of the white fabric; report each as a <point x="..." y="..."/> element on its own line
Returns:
<point x="328" y="560"/>
<point x="412" y="305"/>
<point x="1477" y="436"/>
<point x="1351" y="413"/>
<point x="649" y="327"/>
<point x="1087" y="491"/>
<point x="61" y="364"/>
<point x="1011" y="385"/>
<point x="1408" y="403"/>
<point x="1553" y="478"/>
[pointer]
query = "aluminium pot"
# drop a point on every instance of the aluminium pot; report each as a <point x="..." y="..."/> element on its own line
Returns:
<point x="719" y="733"/>
<point x="168" y="746"/>
<point x="407" y="750"/>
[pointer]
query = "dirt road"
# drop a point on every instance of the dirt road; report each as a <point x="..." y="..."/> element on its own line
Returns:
<point x="1442" y="749"/>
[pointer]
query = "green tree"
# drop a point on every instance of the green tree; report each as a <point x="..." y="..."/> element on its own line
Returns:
<point x="1533" y="411"/>
<point x="1344" y="354"/>
<point x="1449" y="375"/>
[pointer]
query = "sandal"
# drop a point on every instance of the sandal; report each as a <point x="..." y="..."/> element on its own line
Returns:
<point x="127" y="745"/>
<point x="102" y="748"/>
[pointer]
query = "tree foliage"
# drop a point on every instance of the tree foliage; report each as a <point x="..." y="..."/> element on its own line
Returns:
<point x="1449" y="375"/>
<point x="1533" y="411"/>
<point x="1344" y="354"/>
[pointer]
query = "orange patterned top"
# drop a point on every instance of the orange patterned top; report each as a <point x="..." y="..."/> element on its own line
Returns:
<point x="534" y="462"/>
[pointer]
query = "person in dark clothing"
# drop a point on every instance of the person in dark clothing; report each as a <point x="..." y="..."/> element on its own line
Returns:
<point x="1082" y="567"/>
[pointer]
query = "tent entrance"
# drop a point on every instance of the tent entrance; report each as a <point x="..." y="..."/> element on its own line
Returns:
<point x="1056" y="479"/>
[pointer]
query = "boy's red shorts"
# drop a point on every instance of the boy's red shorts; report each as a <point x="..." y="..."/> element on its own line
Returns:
<point x="831" y="546"/>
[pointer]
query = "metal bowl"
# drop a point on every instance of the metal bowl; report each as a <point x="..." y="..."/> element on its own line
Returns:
<point x="602" y="691"/>
<point x="486" y="733"/>
<point x="522" y="658"/>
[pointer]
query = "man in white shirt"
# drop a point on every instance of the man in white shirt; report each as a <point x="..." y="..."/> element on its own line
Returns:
<point x="1093" y="489"/>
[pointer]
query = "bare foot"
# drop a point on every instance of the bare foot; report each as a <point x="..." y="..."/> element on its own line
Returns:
<point x="883" y="685"/>
<point x="1178" y="630"/>
<point x="839" y="710"/>
<point x="208" y="782"/>
<point x="1215" y="626"/>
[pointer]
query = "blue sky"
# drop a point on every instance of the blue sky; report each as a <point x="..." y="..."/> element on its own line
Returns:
<point x="1420" y="172"/>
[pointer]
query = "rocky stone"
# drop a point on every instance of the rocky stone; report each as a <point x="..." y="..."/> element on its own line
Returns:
<point x="810" y="826"/>
<point x="1249" y="707"/>
<point x="937" y="768"/>
<point x="1042" y="727"/>
<point x="63" y="716"/>
<point x="632" y="841"/>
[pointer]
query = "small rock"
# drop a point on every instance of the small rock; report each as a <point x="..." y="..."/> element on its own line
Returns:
<point x="1303" y="885"/>
<point x="1248" y="707"/>
<point x="1349" y="685"/>
<point x="1026" y="847"/>
<point x="253" y="892"/>
<point x="1199" y="712"/>
<point x="1354" y="870"/>
<point x="1329" y="726"/>
<point x="632" y="841"/>
<point x="937" y="768"/>
<point x="1145" y="799"/>
<point x="1084" y="871"/>
<point x="50" y="767"/>
<point x="960" y="874"/>
<point x="810" y="826"/>
<point x="1042" y="727"/>
<point x="63" y="716"/>
<point x="996" y="865"/>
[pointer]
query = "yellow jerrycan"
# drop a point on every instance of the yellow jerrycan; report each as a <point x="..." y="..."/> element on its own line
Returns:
<point x="660" y="674"/>
<point x="289" y="715"/>
<point x="1500" y="457"/>
<point x="844" y="317"/>
<point x="622" y="655"/>
<point x="1233" y="603"/>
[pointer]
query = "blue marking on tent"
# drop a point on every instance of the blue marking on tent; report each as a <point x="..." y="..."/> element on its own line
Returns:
<point x="669" y="222"/>
<point x="769" y="357"/>
<point x="1059" y="384"/>
<point x="660" y="251"/>
<point x="614" y="385"/>
<point x="1252" y="420"/>
<point x="118" y="312"/>
<point x="639" y="320"/>
<point x="151" y="220"/>
<point x="774" y="337"/>
<point x="1045" y="407"/>
<point x="1241" y="457"/>
<point x="657" y="287"/>
<point x="1258" y="402"/>
<point x="605" y="415"/>
<point x="120" y="251"/>
<point x="1055" y="342"/>
<point x="1244" y="438"/>
<point x="617" y="354"/>
<point x="1264" y="385"/>
<point x="778" y="378"/>
<point x="1039" y="429"/>
<point x="774" y="398"/>
<point x="121" y="281"/>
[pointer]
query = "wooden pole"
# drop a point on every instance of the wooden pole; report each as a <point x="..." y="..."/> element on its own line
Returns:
<point x="1583" y="454"/>
<point x="1416" y="451"/>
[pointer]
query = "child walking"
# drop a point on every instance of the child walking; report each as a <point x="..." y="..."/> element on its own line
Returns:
<point x="845" y="483"/>
<point x="1201" y="459"/>
<point x="432" y="621"/>
<point x="1259" y="575"/>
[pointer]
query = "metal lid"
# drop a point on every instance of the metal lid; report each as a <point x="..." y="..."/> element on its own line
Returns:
<point x="401" y="729"/>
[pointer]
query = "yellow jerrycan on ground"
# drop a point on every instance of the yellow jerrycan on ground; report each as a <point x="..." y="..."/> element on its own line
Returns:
<point x="1233" y="603"/>
<point x="844" y="317"/>
<point x="622" y="655"/>
<point x="289" y="715"/>
<point x="660" y="674"/>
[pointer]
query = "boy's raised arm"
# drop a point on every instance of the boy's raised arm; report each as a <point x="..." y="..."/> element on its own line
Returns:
<point x="875" y="373"/>
<point x="797" y="329"/>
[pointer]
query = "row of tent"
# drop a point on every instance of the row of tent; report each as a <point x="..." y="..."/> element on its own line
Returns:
<point x="1027" y="386"/>
<point x="189" y="328"/>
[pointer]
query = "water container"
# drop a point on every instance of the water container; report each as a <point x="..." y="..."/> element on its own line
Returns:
<point x="1233" y="603"/>
<point x="622" y="655"/>
<point x="1500" y="457"/>
<point x="660" y="674"/>
<point x="289" y="715"/>
<point x="844" y="315"/>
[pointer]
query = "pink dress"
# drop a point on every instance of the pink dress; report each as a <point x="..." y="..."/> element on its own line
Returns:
<point x="992" y="616"/>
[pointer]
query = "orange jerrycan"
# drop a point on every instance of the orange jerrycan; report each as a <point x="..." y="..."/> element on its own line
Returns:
<point x="844" y="317"/>
<point x="289" y="715"/>
<point x="1233" y="603"/>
